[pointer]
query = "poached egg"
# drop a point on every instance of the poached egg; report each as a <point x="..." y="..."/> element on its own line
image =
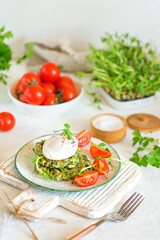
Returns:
<point x="59" y="147"/>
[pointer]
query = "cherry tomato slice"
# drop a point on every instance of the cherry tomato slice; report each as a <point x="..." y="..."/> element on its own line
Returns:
<point x="87" y="178"/>
<point x="34" y="94"/>
<point x="49" y="72"/>
<point x="7" y="121"/>
<point x="84" y="137"/>
<point x="102" y="165"/>
<point x="98" y="152"/>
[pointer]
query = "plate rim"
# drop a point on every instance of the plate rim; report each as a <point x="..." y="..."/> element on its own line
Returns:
<point x="56" y="190"/>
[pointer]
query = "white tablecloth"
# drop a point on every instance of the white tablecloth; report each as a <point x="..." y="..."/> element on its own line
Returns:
<point x="143" y="224"/>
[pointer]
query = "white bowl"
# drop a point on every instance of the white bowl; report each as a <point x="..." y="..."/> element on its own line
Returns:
<point x="45" y="111"/>
<point x="125" y="105"/>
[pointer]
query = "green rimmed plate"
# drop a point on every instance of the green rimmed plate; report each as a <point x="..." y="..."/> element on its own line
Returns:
<point x="25" y="168"/>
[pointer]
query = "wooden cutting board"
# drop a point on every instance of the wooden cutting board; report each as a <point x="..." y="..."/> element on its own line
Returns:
<point x="94" y="203"/>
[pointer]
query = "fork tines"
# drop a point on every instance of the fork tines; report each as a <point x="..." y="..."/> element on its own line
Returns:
<point x="130" y="205"/>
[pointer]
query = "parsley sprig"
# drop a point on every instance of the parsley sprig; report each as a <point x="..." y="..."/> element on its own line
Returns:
<point x="5" y="53"/>
<point x="66" y="131"/>
<point x="147" y="152"/>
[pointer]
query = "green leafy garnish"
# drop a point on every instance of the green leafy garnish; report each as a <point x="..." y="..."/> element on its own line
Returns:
<point x="96" y="99"/>
<point x="102" y="146"/>
<point x="112" y="158"/>
<point x="149" y="154"/>
<point x="27" y="54"/>
<point x="5" y="54"/>
<point x="66" y="131"/>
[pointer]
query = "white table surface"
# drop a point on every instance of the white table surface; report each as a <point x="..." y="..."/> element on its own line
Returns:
<point x="143" y="224"/>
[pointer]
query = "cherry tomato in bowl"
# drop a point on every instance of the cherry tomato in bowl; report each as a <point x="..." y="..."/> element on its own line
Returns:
<point x="68" y="93"/>
<point x="87" y="178"/>
<point x="49" y="87"/>
<point x="49" y="72"/>
<point x="50" y="99"/>
<point x="22" y="98"/>
<point x="98" y="152"/>
<point x="44" y="111"/>
<point x="7" y="121"/>
<point x="64" y="81"/>
<point x="101" y="166"/>
<point x="26" y="79"/>
<point x="84" y="137"/>
<point x="34" y="94"/>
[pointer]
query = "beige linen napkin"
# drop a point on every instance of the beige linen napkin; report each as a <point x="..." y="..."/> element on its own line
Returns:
<point x="59" y="52"/>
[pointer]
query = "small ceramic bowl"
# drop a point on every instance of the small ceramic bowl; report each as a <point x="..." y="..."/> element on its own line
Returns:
<point x="108" y="136"/>
<point x="45" y="111"/>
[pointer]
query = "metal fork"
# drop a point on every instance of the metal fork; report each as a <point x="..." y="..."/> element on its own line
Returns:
<point x="122" y="214"/>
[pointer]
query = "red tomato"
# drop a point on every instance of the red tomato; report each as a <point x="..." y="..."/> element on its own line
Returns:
<point x="63" y="81"/>
<point x="50" y="99"/>
<point x="87" y="178"/>
<point x="102" y="165"/>
<point x="22" y="98"/>
<point x="34" y="94"/>
<point x="49" y="72"/>
<point x="7" y="121"/>
<point x="26" y="79"/>
<point x="49" y="87"/>
<point x="98" y="152"/>
<point x="68" y="93"/>
<point x="84" y="137"/>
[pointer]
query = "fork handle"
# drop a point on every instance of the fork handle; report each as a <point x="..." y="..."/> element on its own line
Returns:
<point x="83" y="232"/>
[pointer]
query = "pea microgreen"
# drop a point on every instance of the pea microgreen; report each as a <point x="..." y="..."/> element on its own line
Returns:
<point x="96" y="99"/>
<point x="102" y="146"/>
<point x="27" y="54"/>
<point x="147" y="152"/>
<point x="66" y="131"/>
<point x="112" y="158"/>
<point x="40" y="170"/>
<point x="126" y="68"/>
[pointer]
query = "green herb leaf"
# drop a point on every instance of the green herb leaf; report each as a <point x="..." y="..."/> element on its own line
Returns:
<point x="152" y="156"/>
<point x="67" y="125"/>
<point x="27" y="54"/>
<point x="5" y="54"/>
<point x="101" y="145"/>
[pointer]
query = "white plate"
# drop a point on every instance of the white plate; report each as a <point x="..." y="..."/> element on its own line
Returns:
<point x="26" y="169"/>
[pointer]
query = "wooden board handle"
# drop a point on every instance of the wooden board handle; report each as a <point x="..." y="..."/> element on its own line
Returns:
<point x="83" y="232"/>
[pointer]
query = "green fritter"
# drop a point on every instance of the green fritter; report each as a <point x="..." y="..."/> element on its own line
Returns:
<point x="65" y="169"/>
